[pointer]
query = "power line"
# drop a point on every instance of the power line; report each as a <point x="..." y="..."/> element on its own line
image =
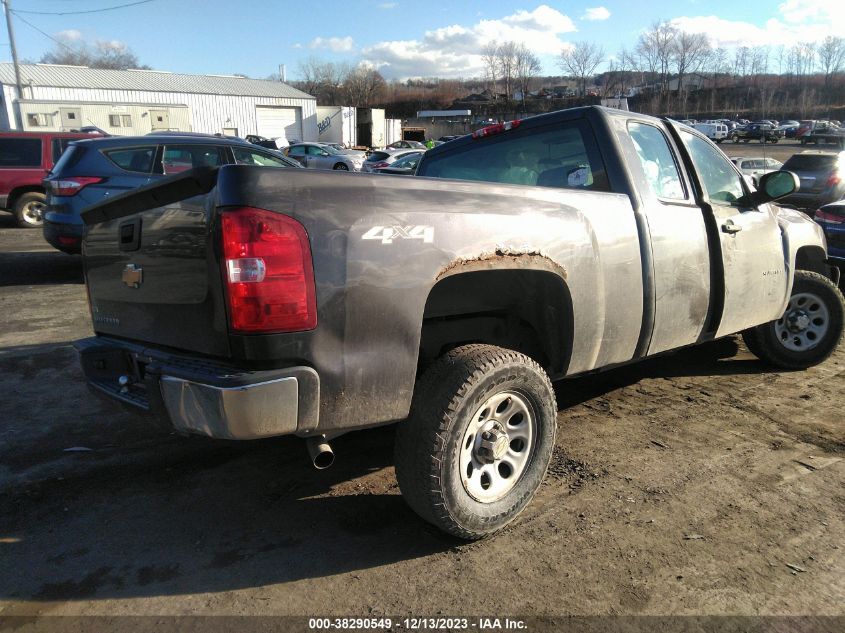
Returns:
<point x="47" y="35"/>
<point x="119" y="6"/>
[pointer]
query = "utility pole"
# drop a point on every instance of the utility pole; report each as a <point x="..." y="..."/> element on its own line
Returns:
<point x="14" y="48"/>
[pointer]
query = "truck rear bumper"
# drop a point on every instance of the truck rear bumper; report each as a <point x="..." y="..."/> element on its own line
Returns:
<point x="198" y="396"/>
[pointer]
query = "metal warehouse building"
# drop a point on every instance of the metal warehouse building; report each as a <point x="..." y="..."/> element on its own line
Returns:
<point x="126" y="102"/>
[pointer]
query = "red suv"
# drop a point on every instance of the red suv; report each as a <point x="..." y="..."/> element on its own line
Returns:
<point x="25" y="159"/>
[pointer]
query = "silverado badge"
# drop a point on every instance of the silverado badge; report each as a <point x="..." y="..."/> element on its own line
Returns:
<point x="133" y="275"/>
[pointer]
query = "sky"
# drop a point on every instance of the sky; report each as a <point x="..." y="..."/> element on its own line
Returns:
<point x="401" y="38"/>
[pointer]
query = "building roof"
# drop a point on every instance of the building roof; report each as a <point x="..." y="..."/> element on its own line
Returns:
<point x="59" y="76"/>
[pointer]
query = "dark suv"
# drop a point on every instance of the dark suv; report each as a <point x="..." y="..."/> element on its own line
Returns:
<point x="25" y="159"/>
<point x="91" y="170"/>
<point x="821" y="175"/>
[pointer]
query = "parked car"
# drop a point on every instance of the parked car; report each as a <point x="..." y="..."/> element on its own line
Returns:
<point x="716" y="132"/>
<point x="322" y="156"/>
<point x="763" y="132"/>
<point x="345" y="150"/>
<point x="319" y="305"/>
<point x="91" y="170"/>
<point x="831" y="217"/>
<point x="449" y="137"/>
<point x="405" y="166"/>
<point x="25" y="160"/>
<point x="789" y="128"/>
<point x="380" y="159"/>
<point x="403" y="144"/>
<point x="821" y="174"/>
<point x="261" y="141"/>
<point x="756" y="167"/>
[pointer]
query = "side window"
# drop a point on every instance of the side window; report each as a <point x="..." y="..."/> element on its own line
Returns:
<point x="661" y="170"/>
<point x="20" y="152"/>
<point x="248" y="157"/>
<point x="313" y="150"/>
<point x="59" y="147"/>
<point x="137" y="159"/>
<point x="718" y="177"/>
<point x="297" y="150"/>
<point x="178" y="158"/>
<point x="562" y="155"/>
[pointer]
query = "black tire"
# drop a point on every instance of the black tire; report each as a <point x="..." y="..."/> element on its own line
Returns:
<point x="340" y="167"/>
<point x="429" y="444"/>
<point x="29" y="208"/>
<point x="766" y="344"/>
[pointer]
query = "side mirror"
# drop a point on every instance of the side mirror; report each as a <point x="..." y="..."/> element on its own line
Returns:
<point x="772" y="186"/>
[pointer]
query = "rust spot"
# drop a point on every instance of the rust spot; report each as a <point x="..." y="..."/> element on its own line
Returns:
<point x="503" y="258"/>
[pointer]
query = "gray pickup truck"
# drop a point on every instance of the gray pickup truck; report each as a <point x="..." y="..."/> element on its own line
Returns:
<point x="250" y="302"/>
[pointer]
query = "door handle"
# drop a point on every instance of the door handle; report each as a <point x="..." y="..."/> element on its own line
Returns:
<point x="730" y="227"/>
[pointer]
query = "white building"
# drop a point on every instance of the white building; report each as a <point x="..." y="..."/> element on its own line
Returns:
<point x="128" y="102"/>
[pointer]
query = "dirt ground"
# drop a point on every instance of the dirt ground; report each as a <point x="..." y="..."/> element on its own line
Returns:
<point x="698" y="483"/>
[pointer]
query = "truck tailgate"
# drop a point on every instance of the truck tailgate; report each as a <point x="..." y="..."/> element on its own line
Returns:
<point x="152" y="275"/>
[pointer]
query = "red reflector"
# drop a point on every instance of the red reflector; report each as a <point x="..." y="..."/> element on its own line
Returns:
<point x="833" y="180"/>
<point x="72" y="186"/>
<point x="68" y="241"/>
<point x="498" y="128"/>
<point x="268" y="272"/>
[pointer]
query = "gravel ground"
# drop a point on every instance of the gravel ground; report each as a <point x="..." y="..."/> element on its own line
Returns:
<point x="700" y="483"/>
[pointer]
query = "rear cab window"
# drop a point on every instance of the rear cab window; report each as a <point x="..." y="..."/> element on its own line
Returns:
<point x="20" y="152"/>
<point x="561" y="155"/>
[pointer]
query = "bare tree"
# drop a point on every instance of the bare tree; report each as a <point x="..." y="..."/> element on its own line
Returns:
<point x="323" y="80"/>
<point x="364" y="87"/>
<point x="657" y="47"/>
<point x="526" y="66"/>
<point x="581" y="61"/>
<point x="490" y="57"/>
<point x="109" y="55"/>
<point x="507" y="66"/>
<point x="690" y="50"/>
<point x="831" y="57"/>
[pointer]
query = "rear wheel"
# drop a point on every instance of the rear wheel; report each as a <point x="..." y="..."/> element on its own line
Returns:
<point x="29" y="209"/>
<point x="476" y="445"/>
<point x="810" y="329"/>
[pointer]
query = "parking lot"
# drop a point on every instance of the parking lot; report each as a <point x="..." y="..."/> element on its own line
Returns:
<point x="696" y="483"/>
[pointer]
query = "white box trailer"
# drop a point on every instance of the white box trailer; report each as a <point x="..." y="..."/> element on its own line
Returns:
<point x="392" y="130"/>
<point x="337" y="124"/>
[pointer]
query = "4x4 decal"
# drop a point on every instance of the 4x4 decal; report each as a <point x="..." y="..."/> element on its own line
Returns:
<point x="389" y="233"/>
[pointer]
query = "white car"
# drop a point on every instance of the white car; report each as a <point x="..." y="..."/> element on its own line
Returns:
<point x="756" y="167"/>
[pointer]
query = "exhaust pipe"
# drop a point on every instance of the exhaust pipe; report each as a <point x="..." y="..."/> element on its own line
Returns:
<point x="322" y="455"/>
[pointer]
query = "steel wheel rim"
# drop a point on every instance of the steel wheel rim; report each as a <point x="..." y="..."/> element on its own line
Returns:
<point x="804" y="324"/>
<point x="508" y="414"/>
<point x="32" y="212"/>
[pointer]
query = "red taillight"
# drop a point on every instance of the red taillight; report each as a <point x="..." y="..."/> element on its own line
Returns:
<point x="268" y="272"/>
<point x="498" y="128"/>
<point x="72" y="185"/>
<point x="833" y="180"/>
<point x="829" y="217"/>
<point x="380" y="165"/>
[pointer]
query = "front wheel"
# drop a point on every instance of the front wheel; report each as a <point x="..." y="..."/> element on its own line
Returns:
<point x="476" y="445"/>
<point x="340" y="167"/>
<point x="810" y="329"/>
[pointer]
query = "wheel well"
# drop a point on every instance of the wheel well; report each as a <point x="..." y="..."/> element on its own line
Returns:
<point x="17" y="193"/>
<point x="526" y="310"/>
<point x="812" y="258"/>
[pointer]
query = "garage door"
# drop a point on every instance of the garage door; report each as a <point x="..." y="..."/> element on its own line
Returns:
<point x="274" y="121"/>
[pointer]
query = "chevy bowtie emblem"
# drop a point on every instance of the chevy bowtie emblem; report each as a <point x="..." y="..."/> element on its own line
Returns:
<point x="133" y="275"/>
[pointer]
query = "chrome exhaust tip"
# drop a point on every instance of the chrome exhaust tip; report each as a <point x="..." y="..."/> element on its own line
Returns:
<point x="322" y="455"/>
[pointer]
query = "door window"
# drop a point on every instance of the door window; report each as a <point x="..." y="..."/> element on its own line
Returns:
<point x="20" y="152"/>
<point x="718" y="177"/>
<point x="313" y="150"/>
<point x="178" y="158"/>
<point x="297" y="150"/>
<point x="248" y="157"/>
<point x="137" y="159"/>
<point x="658" y="162"/>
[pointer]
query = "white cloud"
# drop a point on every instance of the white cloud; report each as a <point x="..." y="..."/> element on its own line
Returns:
<point x="336" y="44"/>
<point x="596" y="13"/>
<point x="455" y="51"/>
<point x="69" y="35"/>
<point x="388" y="5"/>
<point x="797" y="21"/>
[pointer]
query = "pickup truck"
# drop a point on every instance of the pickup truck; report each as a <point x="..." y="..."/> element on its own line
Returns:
<point x="763" y="132"/>
<point x="816" y="132"/>
<point x="317" y="303"/>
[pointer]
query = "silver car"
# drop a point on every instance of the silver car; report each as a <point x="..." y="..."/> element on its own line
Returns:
<point x="385" y="157"/>
<point x="321" y="156"/>
<point x="756" y="167"/>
